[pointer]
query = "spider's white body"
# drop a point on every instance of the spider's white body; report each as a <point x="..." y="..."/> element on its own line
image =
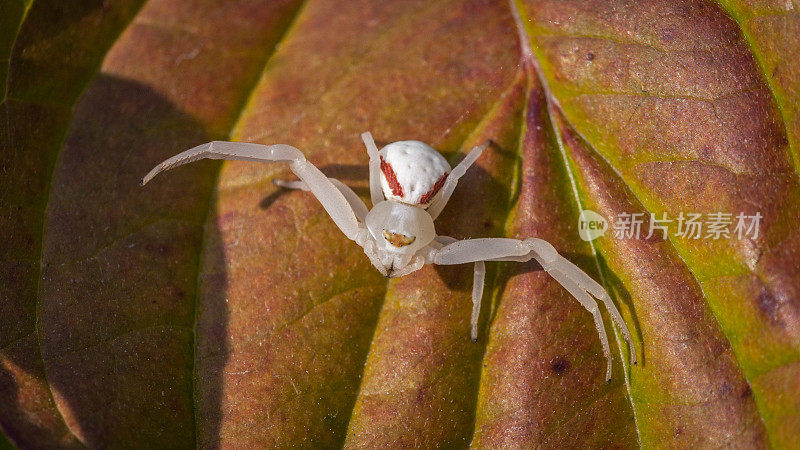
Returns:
<point x="410" y="183"/>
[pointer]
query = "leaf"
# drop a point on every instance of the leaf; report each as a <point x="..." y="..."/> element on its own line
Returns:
<point x="689" y="124"/>
<point x="213" y="309"/>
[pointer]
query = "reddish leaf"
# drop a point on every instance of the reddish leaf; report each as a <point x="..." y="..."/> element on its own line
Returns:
<point x="213" y="309"/>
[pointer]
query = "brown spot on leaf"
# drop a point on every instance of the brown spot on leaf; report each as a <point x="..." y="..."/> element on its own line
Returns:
<point x="769" y="306"/>
<point x="559" y="365"/>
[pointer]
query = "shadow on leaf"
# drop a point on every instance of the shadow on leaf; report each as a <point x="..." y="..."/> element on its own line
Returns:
<point x="128" y="351"/>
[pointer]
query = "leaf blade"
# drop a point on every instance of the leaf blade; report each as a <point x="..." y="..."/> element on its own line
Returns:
<point x="640" y="163"/>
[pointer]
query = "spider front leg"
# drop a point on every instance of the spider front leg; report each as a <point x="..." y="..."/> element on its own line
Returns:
<point x="331" y="197"/>
<point x="450" y="183"/>
<point x="375" y="191"/>
<point x="572" y="278"/>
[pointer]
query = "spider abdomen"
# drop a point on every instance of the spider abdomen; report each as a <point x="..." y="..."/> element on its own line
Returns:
<point x="412" y="172"/>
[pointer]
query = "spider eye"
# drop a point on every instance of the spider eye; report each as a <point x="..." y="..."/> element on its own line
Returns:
<point x="397" y="239"/>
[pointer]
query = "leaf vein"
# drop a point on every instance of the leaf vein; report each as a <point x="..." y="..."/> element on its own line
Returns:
<point x="291" y="22"/>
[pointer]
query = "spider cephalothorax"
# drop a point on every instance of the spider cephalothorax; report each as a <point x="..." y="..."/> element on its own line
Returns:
<point x="410" y="183"/>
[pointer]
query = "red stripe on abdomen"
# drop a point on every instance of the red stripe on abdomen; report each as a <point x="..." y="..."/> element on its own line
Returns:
<point x="391" y="178"/>
<point x="426" y="197"/>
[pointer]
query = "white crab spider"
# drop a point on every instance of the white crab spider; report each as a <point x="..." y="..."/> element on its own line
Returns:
<point x="410" y="183"/>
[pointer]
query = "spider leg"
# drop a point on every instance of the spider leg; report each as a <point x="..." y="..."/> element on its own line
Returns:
<point x="366" y="242"/>
<point x="331" y="198"/>
<point x="359" y="208"/>
<point x="591" y="305"/>
<point x="587" y="283"/>
<point x="572" y="278"/>
<point x="450" y="183"/>
<point x="444" y="240"/>
<point x="375" y="191"/>
<point x="478" y="281"/>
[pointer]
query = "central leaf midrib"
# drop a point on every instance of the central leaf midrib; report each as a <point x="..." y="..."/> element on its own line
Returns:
<point x="528" y="53"/>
